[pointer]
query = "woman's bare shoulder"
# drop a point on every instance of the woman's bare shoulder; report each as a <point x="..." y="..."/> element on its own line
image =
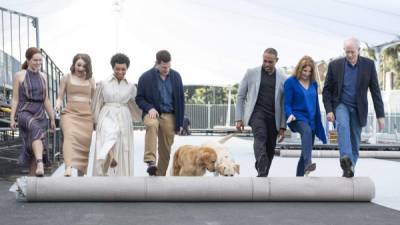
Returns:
<point x="20" y="75"/>
<point x="44" y="75"/>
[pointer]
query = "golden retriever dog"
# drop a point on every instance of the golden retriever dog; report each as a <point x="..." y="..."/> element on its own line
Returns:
<point x="225" y="165"/>
<point x="192" y="160"/>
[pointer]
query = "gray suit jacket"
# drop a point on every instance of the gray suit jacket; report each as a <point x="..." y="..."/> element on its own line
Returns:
<point x="248" y="93"/>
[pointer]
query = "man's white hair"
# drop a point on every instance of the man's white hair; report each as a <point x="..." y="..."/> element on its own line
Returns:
<point x="352" y="40"/>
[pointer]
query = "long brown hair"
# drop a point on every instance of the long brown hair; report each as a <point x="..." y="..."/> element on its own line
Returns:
<point x="304" y="62"/>
<point x="88" y="66"/>
<point x="28" y="56"/>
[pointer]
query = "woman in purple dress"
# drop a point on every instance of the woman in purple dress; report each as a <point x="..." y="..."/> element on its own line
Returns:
<point x="29" y="106"/>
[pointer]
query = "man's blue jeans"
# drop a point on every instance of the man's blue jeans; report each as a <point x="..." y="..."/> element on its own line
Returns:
<point x="307" y="142"/>
<point x="349" y="131"/>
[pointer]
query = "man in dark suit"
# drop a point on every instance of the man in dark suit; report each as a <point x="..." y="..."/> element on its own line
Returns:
<point x="345" y="99"/>
<point x="160" y="96"/>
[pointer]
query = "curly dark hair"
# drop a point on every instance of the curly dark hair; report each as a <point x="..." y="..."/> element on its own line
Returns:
<point x="120" y="58"/>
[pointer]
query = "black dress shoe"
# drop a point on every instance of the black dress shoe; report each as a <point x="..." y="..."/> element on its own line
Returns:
<point x="350" y="172"/>
<point x="151" y="169"/>
<point x="347" y="167"/>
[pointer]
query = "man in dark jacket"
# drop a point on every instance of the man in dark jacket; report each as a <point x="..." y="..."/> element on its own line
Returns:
<point x="160" y="96"/>
<point x="345" y="98"/>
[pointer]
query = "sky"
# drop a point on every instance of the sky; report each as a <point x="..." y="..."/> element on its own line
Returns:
<point x="212" y="42"/>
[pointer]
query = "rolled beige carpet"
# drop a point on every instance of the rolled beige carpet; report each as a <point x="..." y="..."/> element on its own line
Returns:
<point x="107" y="189"/>
<point x="335" y="154"/>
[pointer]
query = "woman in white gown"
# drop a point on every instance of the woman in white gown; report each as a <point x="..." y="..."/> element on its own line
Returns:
<point x="114" y="110"/>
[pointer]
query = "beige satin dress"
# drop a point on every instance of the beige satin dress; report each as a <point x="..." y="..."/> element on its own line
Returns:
<point x="77" y="124"/>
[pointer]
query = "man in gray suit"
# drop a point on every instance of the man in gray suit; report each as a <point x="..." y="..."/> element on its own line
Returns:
<point x="260" y="105"/>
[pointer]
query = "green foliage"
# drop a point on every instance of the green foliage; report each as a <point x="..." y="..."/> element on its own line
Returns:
<point x="209" y="94"/>
<point x="370" y="53"/>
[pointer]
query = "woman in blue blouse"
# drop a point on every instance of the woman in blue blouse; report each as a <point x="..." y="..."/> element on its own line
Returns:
<point x="302" y="111"/>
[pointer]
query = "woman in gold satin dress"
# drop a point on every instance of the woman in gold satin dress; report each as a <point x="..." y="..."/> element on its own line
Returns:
<point x="76" y="117"/>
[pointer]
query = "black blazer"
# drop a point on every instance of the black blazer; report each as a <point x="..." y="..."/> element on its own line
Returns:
<point x="367" y="78"/>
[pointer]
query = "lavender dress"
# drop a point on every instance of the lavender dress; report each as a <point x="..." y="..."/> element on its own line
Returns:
<point x="31" y="116"/>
